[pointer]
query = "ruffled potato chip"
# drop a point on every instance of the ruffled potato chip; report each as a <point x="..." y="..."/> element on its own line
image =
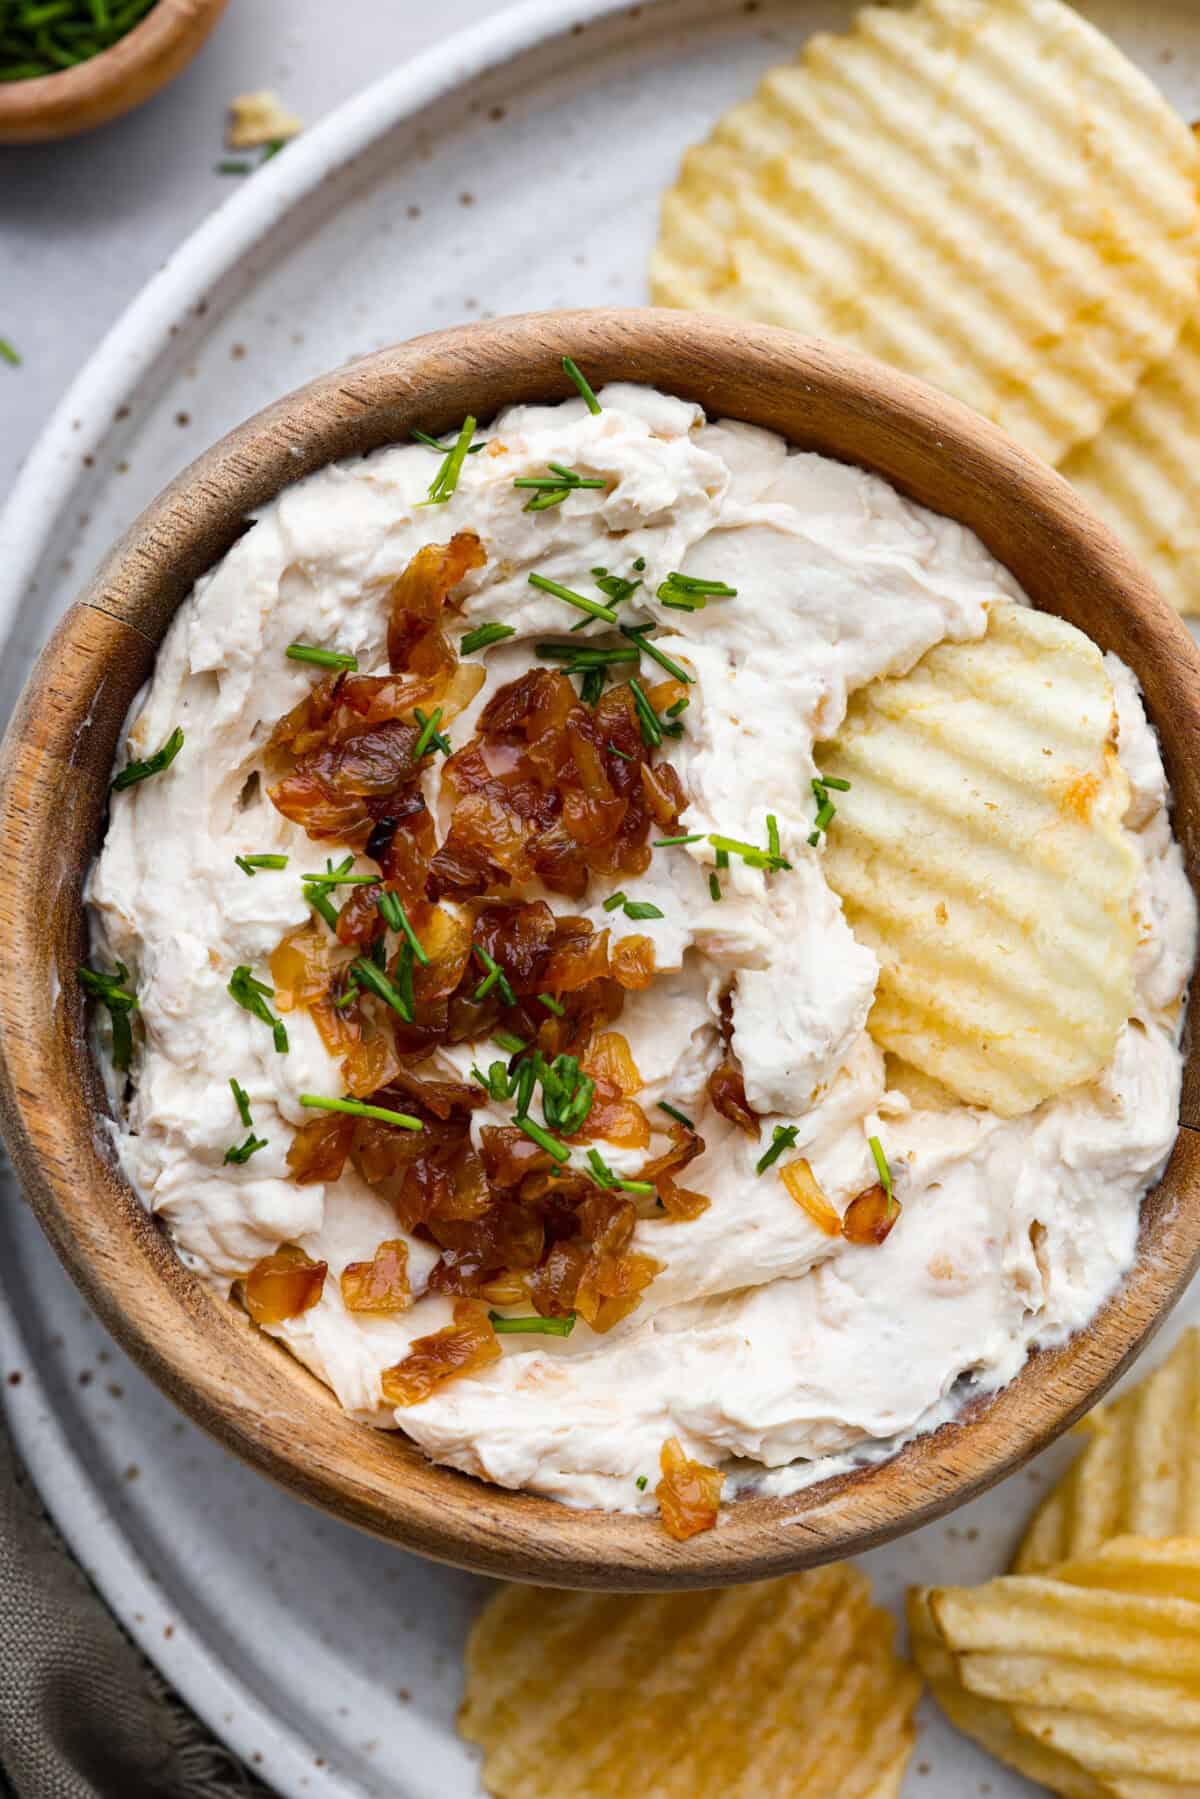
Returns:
<point x="1087" y="1678"/>
<point x="790" y="1689"/>
<point x="1142" y="473"/>
<point x="980" y="853"/>
<point x="1139" y="1474"/>
<point x="984" y="193"/>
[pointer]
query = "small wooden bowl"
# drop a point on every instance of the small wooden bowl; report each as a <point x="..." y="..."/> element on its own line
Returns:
<point x="54" y="773"/>
<point x="113" y="83"/>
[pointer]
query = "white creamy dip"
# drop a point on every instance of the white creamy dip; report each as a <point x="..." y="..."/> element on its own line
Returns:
<point x="762" y="1344"/>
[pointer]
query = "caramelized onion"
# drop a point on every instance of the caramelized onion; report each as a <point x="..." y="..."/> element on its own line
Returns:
<point x="806" y="1190"/>
<point x="464" y="1347"/>
<point x="380" y="1285"/>
<point x="689" y="1493"/>
<point x="870" y="1216"/>
<point x="283" y="1285"/>
<point x="727" y="1091"/>
<point x="319" y="1148"/>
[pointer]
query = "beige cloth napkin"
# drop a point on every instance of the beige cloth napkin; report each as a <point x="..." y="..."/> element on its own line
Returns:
<point x="82" y="1714"/>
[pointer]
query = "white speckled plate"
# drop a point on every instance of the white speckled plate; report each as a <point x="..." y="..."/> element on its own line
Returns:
<point x="516" y="167"/>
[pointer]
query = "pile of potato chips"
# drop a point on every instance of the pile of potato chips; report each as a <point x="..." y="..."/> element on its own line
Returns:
<point x="1081" y="1668"/>
<point x="987" y="194"/>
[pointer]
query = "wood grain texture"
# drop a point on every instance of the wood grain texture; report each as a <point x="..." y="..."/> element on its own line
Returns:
<point x="54" y="769"/>
<point x="113" y="83"/>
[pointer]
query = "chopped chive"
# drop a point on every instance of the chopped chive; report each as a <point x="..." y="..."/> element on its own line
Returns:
<point x="584" y="655"/>
<point x="573" y="1115"/>
<point x="404" y="976"/>
<point x="836" y="782"/>
<point x="647" y="717"/>
<point x="543" y="1139"/>
<point x="396" y="919"/>
<point x="617" y="588"/>
<point x="241" y="1100"/>
<point x="592" y="685"/>
<point x="243" y="1152"/>
<point x="722" y="858"/>
<point x="714" y="887"/>
<point x="681" y="705"/>
<point x="444" y="483"/>
<point x="252" y="995"/>
<point x="495" y="1083"/>
<point x="8" y="354"/>
<point x="772" y="835"/>
<point x="883" y="1171"/>
<point x="107" y="987"/>
<point x="375" y="981"/>
<point x="616" y="750"/>
<point x="357" y="1109"/>
<point x="674" y="1112"/>
<point x="749" y="852"/>
<point x="484" y="635"/>
<point x="642" y="1482"/>
<point x="153" y="765"/>
<point x="526" y="1082"/>
<point x="320" y="902"/>
<point x="532" y="1327"/>
<point x="638" y="635"/>
<point x="825" y="816"/>
<point x="608" y="1178"/>
<point x="687" y="593"/>
<point x="573" y="372"/>
<point x="340" y="876"/>
<point x="508" y="1040"/>
<point x="248" y="864"/>
<point x="350" y="995"/>
<point x="636" y="909"/>
<point x="579" y="600"/>
<point x="552" y="490"/>
<point x="432" y="443"/>
<point x="389" y="910"/>
<point x="669" y="843"/>
<point x="495" y="976"/>
<point x="308" y="652"/>
<point x="614" y="900"/>
<point x="230" y="165"/>
<point x="430" y="734"/>
<point x="119" y="1002"/>
<point x="783" y="1137"/>
<point x="542" y="502"/>
<point x="552" y="1005"/>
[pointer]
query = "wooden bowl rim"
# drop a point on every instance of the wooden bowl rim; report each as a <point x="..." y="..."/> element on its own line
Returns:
<point x="234" y="1381"/>
<point x="92" y="84"/>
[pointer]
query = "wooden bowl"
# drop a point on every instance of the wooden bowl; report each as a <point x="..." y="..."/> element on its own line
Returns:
<point x="54" y="774"/>
<point x="113" y="83"/>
